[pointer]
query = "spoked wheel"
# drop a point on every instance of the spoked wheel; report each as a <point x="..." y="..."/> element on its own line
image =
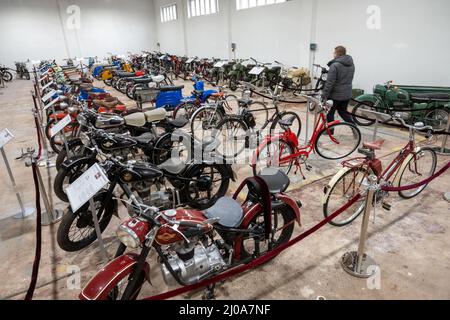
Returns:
<point x="255" y="244"/>
<point x="7" y="76"/>
<point x="77" y="230"/>
<point x="232" y="135"/>
<point x="438" y="119"/>
<point x="338" y="141"/>
<point x="276" y="154"/>
<point x="419" y="168"/>
<point x="343" y="190"/>
<point x="208" y="183"/>
<point x="185" y="110"/>
<point x="358" y="111"/>
<point x="118" y="291"/>
<point x="204" y="121"/>
<point x="260" y="113"/>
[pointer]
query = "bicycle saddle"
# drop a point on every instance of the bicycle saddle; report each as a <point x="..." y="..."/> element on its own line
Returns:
<point x="228" y="210"/>
<point x="178" y="122"/>
<point x="375" y="145"/>
<point x="287" y="122"/>
<point x="277" y="181"/>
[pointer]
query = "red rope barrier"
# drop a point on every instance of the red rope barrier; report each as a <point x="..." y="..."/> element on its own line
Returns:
<point x="419" y="184"/>
<point x="258" y="261"/>
<point x="37" y="256"/>
<point x="36" y="121"/>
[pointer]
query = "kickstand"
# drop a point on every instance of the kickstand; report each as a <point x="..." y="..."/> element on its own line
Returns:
<point x="209" y="293"/>
<point x="299" y="168"/>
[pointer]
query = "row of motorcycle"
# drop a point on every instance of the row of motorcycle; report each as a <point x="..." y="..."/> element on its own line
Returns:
<point x="21" y="70"/>
<point x="151" y="171"/>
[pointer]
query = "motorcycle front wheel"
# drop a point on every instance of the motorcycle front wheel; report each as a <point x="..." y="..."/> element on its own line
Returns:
<point x="76" y="230"/>
<point x="7" y="76"/>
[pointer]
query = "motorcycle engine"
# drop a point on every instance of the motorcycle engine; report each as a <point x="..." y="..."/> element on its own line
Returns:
<point x="158" y="198"/>
<point x="193" y="262"/>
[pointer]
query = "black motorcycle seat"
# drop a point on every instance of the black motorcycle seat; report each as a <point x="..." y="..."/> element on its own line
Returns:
<point x="171" y="88"/>
<point x="147" y="171"/>
<point x="179" y="122"/>
<point x="277" y="181"/>
<point x="145" y="138"/>
<point x="142" y="80"/>
<point x="122" y="74"/>
<point x="227" y="210"/>
<point x="420" y="97"/>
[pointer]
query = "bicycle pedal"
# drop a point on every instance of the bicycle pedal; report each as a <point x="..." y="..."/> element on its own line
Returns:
<point x="386" y="206"/>
<point x="308" y="167"/>
<point x="299" y="203"/>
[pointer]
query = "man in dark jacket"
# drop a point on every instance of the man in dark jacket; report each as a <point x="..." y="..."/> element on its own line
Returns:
<point x="339" y="84"/>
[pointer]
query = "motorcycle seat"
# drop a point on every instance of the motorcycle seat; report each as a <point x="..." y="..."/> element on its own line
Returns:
<point x="421" y="97"/>
<point x="111" y="103"/>
<point x="375" y="145"/>
<point x="155" y="115"/>
<point x="122" y="74"/>
<point x="171" y="88"/>
<point x="136" y="119"/>
<point x="145" y="138"/>
<point x="276" y="180"/>
<point x="142" y="80"/>
<point x="173" y="165"/>
<point x="86" y="86"/>
<point x="178" y="122"/>
<point x="228" y="210"/>
<point x="158" y="79"/>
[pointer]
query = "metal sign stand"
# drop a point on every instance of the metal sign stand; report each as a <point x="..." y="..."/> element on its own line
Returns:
<point x="98" y="231"/>
<point x="359" y="264"/>
<point x="25" y="211"/>
<point x="443" y="150"/>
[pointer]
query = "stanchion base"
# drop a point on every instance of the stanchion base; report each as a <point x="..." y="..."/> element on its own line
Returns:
<point x="349" y="262"/>
<point x="447" y="196"/>
<point x="56" y="216"/>
<point x="439" y="151"/>
<point x="27" y="212"/>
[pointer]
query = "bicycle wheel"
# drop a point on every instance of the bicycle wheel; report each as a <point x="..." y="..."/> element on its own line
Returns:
<point x="232" y="135"/>
<point x="276" y="154"/>
<point x="344" y="189"/>
<point x="204" y="121"/>
<point x="260" y="113"/>
<point x="296" y="123"/>
<point x="419" y="168"/>
<point x="338" y="142"/>
<point x="184" y="110"/>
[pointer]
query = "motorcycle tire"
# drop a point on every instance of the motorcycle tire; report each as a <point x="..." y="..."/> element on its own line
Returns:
<point x="7" y="76"/>
<point x="233" y="83"/>
<point x="27" y="75"/>
<point x="83" y="218"/>
<point x="359" y="121"/>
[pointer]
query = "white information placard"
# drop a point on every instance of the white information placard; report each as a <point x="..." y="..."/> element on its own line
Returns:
<point x="48" y="105"/>
<point x="48" y="95"/>
<point x="256" y="71"/>
<point x="189" y="60"/>
<point x="48" y="85"/>
<point x="86" y="187"/>
<point x="5" y="137"/>
<point x="219" y="64"/>
<point x="60" y="125"/>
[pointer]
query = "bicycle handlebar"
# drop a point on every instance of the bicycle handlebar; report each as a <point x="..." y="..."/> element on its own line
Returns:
<point x="419" y="126"/>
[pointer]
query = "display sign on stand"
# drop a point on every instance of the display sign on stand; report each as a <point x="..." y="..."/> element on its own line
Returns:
<point x="51" y="103"/>
<point x="5" y="137"/>
<point x="48" y="85"/>
<point x="219" y="64"/>
<point x="48" y="95"/>
<point x="60" y="125"/>
<point x="256" y="71"/>
<point x="83" y="190"/>
<point x="189" y="60"/>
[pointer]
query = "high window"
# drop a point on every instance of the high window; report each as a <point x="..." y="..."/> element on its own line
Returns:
<point x="202" y="7"/>
<point x="169" y="13"/>
<point x="246" y="4"/>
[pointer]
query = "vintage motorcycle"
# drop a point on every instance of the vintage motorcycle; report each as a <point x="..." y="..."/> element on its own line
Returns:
<point x="195" y="245"/>
<point x="5" y="74"/>
<point x="430" y="105"/>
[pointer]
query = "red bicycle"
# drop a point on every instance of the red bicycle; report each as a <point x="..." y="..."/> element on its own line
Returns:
<point x="333" y="141"/>
<point x="412" y="165"/>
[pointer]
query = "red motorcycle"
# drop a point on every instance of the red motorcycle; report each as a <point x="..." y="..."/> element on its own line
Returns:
<point x="196" y="245"/>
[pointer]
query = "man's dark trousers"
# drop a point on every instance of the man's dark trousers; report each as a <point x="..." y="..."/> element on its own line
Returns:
<point x="341" y="107"/>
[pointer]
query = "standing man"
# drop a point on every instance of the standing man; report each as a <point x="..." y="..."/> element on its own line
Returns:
<point x="339" y="84"/>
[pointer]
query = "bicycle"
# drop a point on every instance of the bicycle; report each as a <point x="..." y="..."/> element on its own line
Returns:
<point x="247" y="125"/>
<point x="412" y="164"/>
<point x="332" y="141"/>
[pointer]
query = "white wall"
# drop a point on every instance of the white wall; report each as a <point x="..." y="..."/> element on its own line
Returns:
<point x="411" y="46"/>
<point x="37" y="29"/>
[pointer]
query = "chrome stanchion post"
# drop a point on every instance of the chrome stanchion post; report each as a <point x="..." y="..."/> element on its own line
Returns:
<point x="358" y="264"/>
<point x="98" y="231"/>
<point x="25" y="211"/>
<point x="307" y="121"/>
<point x="375" y="131"/>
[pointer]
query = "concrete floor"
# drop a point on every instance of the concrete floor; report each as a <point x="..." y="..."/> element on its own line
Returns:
<point x="409" y="243"/>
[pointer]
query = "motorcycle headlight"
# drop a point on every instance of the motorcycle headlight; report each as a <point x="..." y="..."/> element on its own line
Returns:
<point x="128" y="237"/>
<point x="84" y="139"/>
<point x="72" y="110"/>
